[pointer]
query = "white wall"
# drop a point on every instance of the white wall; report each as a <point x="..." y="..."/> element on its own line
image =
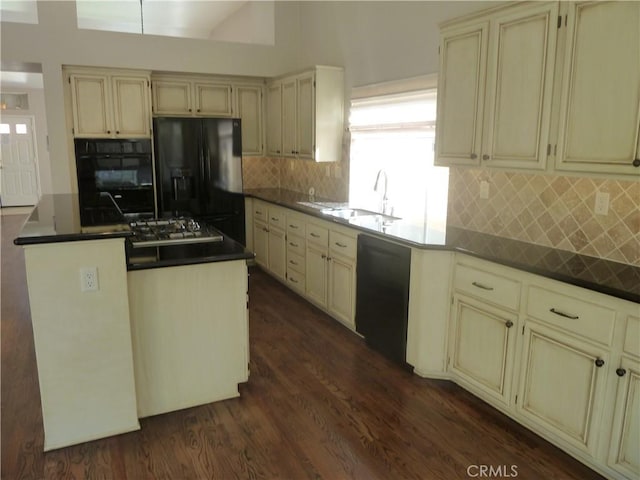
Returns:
<point x="56" y="41"/>
<point x="376" y="41"/>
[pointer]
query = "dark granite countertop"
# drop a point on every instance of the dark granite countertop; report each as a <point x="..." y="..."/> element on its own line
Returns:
<point x="612" y="278"/>
<point x="57" y="218"/>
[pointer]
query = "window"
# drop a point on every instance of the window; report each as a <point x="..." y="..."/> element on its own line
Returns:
<point x="4" y="128"/>
<point x="21" y="128"/>
<point x="392" y="153"/>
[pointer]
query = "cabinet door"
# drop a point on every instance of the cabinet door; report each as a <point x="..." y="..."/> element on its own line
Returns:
<point x="316" y="273"/>
<point x="305" y="135"/>
<point x="600" y="104"/>
<point x="342" y="281"/>
<point x="624" y="455"/>
<point x="521" y="57"/>
<point x="289" y="120"/>
<point x="132" y="117"/>
<point x="250" y="112"/>
<point x="91" y="100"/>
<point x="171" y="97"/>
<point x="461" y="87"/>
<point x="261" y="243"/>
<point x="274" y="119"/>
<point x="277" y="252"/>
<point x="562" y="385"/>
<point x="483" y="340"/>
<point x="213" y="99"/>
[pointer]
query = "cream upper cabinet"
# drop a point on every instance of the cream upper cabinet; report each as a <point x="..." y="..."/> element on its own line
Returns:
<point x="522" y="47"/>
<point x="172" y="97"/>
<point x="106" y="104"/>
<point x="289" y="118"/>
<point x="250" y="112"/>
<point x="183" y="96"/>
<point x="463" y="52"/>
<point x="274" y="118"/>
<point x="310" y="115"/>
<point x="504" y="122"/>
<point x="600" y="96"/>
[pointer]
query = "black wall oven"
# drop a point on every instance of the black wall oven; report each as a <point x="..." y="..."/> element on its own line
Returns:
<point x="121" y="169"/>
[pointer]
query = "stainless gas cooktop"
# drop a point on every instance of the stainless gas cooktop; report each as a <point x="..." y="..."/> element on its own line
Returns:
<point x="171" y="231"/>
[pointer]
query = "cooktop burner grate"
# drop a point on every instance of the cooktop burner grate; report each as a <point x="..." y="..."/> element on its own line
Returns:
<point x="171" y="231"/>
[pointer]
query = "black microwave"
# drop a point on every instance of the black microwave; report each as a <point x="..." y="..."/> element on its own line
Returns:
<point x="122" y="169"/>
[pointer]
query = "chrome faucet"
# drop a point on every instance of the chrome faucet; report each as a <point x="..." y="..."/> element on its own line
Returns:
<point x="376" y="186"/>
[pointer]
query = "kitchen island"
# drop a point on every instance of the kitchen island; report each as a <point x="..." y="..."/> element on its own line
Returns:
<point x="119" y="336"/>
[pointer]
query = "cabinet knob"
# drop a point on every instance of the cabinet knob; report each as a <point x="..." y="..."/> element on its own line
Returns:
<point x="108" y="131"/>
<point x="324" y="256"/>
<point x="328" y="259"/>
<point x="117" y="132"/>
<point x="189" y="109"/>
<point x="473" y="156"/>
<point x="277" y="151"/>
<point x="198" y="110"/>
<point x="509" y="324"/>
<point x="599" y="362"/>
<point x="636" y="162"/>
<point x="620" y="372"/>
<point x="486" y="157"/>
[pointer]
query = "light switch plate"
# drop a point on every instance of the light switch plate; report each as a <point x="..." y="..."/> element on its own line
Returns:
<point x="602" y="203"/>
<point x="484" y="189"/>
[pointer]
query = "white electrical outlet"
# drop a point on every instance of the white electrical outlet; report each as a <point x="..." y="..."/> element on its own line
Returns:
<point x="89" y="279"/>
<point x="484" y="189"/>
<point x="602" y="203"/>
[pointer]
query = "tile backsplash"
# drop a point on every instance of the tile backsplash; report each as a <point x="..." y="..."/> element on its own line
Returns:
<point x="330" y="180"/>
<point x="551" y="210"/>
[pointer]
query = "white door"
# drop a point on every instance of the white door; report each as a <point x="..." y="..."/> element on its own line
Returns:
<point x="19" y="178"/>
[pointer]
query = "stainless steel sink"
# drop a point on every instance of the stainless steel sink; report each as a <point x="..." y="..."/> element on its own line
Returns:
<point x="347" y="212"/>
<point x="342" y="210"/>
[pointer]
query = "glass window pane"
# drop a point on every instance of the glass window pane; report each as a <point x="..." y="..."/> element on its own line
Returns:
<point x="21" y="128"/>
<point x="4" y="128"/>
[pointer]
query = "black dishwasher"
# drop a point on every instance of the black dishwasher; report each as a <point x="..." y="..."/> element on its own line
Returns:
<point x="382" y="296"/>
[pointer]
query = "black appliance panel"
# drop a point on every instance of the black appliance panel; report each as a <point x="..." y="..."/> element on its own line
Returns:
<point x="382" y="296"/>
<point x="199" y="171"/>
<point x="120" y="169"/>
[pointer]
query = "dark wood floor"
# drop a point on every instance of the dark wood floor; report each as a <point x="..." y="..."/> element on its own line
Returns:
<point x="319" y="404"/>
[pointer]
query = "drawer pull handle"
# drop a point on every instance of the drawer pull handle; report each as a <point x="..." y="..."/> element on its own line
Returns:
<point x="323" y="256"/>
<point x="293" y="226"/>
<point x="562" y="314"/>
<point x="258" y="212"/>
<point x="620" y="372"/>
<point x="265" y="229"/>
<point x="479" y="285"/>
<point x="599" y="362"/>
<point x="509" y="324"/>
<point x="292" y="262"/>
<point x="293" y="244"/>
<point x="117" y="196"/>
<point x="341" y="245"/>
<point x="274" y="219"/>
<point x="293" y="280"/>
<point x="314" y="235"/>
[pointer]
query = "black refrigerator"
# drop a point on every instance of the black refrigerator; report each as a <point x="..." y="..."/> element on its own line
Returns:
<point x="199" y="171"/>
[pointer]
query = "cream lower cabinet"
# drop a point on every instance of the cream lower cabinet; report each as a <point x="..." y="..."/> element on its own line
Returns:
<point x="562" y="386"/>
<point x="342" y="277"/>
<point x="269" y="239"/>
<point x="317" y="264"/>
<point x="483" y="346"/>
<point x="624" y="451"/>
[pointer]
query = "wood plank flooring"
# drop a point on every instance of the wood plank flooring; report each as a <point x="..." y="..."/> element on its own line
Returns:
<point x="319" y="405"/>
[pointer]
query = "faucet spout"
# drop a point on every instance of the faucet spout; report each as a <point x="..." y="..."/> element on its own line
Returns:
<point x="382" y="174"/>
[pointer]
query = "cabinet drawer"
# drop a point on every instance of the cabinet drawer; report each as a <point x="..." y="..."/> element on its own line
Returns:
<point x="585" y="319"/>
<point x="343" y="245"/>
<point x="277" y="217"/>
<point x="493" y="288"/>
<point x="295" y="280"/>
<point x="317" y="234"/>
<point x="295" y="262"/>
<point x="295" y="245"/>
<point x="632" y="336"/>
<point x="295" y="225"/>
<point x="260" y="211"/>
